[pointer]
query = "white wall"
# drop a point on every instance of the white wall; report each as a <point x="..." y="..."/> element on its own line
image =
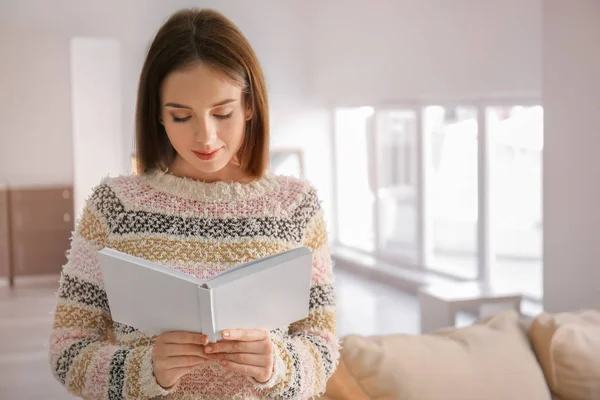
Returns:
<point x="96" y="111"/>
<point x="389" y="50"/>
<point x="35" y="119"/>
<point x="571" y="96"/>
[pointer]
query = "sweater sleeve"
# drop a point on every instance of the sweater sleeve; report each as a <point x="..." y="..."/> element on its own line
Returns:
<point x="82" y="356"/>
<point x="308" y="354"/>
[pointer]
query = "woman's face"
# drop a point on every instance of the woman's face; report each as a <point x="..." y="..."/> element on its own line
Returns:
<point x="204" y="117"/>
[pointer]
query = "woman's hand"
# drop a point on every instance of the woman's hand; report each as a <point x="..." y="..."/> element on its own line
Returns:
<point x="175" y="354"/>
<point x="247" y="351"/>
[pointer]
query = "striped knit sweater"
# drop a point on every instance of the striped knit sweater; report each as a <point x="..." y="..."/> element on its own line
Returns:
<point x="201" y="229"/>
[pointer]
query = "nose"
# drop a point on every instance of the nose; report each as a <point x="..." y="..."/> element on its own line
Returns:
<point x="205" y="132"/>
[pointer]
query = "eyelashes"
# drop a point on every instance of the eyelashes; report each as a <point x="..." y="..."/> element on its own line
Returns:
<point x="180" y="120"/>
<point x="220" y="117"/>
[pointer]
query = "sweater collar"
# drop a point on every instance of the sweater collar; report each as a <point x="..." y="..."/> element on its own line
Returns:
<point x="210" y="192"/>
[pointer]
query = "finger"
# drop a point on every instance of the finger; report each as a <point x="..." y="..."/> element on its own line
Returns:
<point x="245" y="335"/>
<point x="182" y="337"/>
<point x="175" y="350"/>
<point x="259" y="360"/>
<point x="262" y="347"/>
<point x="182" y="361"/>
<point x="248" y="370"/>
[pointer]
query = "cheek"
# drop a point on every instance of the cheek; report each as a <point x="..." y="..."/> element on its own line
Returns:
<point x="180" y="135"/>
<point x="232" y="132"/>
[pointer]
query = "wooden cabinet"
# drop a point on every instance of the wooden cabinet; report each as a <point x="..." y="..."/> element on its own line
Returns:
<point x="4" y="234"/>
<point x="41" y="210"/>
<point x="41" y="226"/>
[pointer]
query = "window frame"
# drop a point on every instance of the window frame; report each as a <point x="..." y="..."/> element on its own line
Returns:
<point x="485" y="240"/>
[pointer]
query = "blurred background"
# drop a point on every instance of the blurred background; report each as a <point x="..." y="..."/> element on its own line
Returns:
<point x="451" y="142"/>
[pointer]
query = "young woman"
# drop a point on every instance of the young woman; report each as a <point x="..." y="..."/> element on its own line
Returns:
<point x="201" y="202"/>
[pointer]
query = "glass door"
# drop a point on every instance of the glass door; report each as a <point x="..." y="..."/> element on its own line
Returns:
<point x="396" y="158"/>
<point x="451" y="189"/>
<point x="354" y="195"/>
<point x="516" y="142"/>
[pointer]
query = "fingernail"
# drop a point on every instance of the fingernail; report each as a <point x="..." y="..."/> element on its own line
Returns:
<point x="208" y="349"/>
<point x="226" y="334"/>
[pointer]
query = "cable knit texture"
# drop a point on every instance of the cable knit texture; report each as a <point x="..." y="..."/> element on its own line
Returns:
<point x="201" y="229"/>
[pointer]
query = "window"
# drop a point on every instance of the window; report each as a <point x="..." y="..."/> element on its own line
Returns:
<point x="355" y="198"/>
<point x="409" y="182"/>
<point x="516" y="142"/>
<point x="451" y="189"/>
<point x="396" y="137"/>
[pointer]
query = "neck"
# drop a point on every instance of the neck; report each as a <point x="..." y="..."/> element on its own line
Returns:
<point x="232" y="172"/>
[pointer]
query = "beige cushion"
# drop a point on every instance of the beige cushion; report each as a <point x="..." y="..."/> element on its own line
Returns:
<point x="491" y="360"/>
<point x="342" y="386"/>
<point x="568" y="349"/>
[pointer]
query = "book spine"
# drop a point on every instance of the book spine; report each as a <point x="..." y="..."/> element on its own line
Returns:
<point x="214" y="335"/>
<point x="207" y="315"/>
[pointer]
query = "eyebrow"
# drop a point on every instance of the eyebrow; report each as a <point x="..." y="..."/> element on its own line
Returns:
<point x="221" y="103"/>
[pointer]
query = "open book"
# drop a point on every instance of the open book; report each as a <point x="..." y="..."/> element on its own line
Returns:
<point x="268" y="293"/>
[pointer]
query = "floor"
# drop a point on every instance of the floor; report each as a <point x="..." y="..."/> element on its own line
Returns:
<point x="364" y="307"/>
<point x="369" y="308"/>
<point x="25" y="321"/>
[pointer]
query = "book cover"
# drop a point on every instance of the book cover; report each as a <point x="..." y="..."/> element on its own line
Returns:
<point x="267" y="293"/>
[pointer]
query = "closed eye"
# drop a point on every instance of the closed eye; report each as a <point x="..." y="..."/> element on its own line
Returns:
<point x="180" y="120"/>
<point x="226" y="116"/>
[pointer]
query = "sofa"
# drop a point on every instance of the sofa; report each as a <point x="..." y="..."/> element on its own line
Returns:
<point x="503" y="357"/>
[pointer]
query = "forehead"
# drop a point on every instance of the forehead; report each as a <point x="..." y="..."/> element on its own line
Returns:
<point x="198" y="86"/>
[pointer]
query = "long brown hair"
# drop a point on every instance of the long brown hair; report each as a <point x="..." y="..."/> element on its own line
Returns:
<point x="191" y="36"/>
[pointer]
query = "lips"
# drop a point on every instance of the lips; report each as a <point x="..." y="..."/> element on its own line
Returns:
<point x="207" y="155"/>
